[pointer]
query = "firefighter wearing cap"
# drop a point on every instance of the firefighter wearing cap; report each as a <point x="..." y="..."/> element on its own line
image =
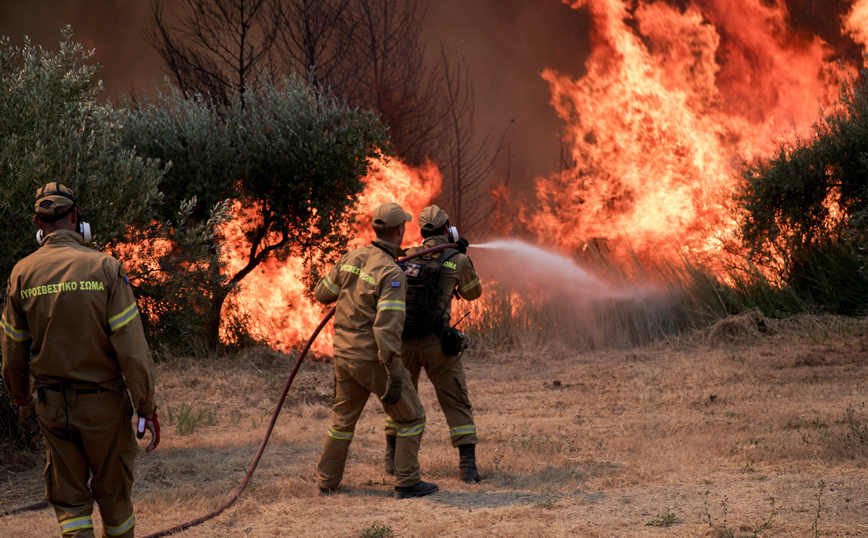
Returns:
<point x="369" y="288"/>
<point x="71" y="320"/>
<point x="445" y="371"/>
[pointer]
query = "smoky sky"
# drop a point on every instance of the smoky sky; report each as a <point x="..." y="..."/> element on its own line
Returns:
<point x="506" y="44"/>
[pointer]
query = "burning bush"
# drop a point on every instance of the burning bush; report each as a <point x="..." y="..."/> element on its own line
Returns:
<point x="291" y="160"/>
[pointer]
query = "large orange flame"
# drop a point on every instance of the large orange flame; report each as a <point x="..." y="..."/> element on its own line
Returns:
<point x="673" y="101"/>
<point x="273" y="294"/>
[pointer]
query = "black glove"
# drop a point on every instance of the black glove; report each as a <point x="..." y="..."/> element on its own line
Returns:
<point x="394" y="386"/>
<point x="462" y="245"/>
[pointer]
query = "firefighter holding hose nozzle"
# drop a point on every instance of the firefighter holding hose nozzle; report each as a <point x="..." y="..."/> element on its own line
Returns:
<point x="72" y="321"/>
<point x="430" y="342"/>
<point x="369" y="288"/>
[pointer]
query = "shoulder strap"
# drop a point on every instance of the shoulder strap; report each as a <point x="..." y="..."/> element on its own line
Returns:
<point x="446" y="254"/>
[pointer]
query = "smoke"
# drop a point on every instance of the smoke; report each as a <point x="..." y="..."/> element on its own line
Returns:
<point x="114" y="28"/>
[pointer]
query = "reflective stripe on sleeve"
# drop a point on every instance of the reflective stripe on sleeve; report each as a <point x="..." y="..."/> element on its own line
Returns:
<point x="331" y="285"/>
<point x="340" y="436"/>
<point x="76" y="524"/>
<point x="392" y="305"/>
<point x="411" y="432"/>
<point x="472" y="284"/>
<point x="122" y="528"/>
<point x="463" y="430"/>
<point x="13" y="333"/>
<point x="116" y="322"/>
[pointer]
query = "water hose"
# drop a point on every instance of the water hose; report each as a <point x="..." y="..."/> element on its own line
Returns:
<point x="29" y="508"/>
<point x="231" y="501"/>
<point x="283" y="394"/>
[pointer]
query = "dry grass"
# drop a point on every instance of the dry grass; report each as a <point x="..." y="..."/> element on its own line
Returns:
<point x="590" y="444"/>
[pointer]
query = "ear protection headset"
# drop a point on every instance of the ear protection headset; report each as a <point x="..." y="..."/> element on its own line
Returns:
<point x="453" y="234"/>
<point x="83" y="228"/>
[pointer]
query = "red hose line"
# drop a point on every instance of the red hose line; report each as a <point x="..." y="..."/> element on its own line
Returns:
<point x="29" y="508"/>
<point x="289" y="380"/>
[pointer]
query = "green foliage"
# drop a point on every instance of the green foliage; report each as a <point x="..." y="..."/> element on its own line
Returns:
<point x="378" y="531"/>
<point x="290" y="156"/>
<point x="186" y="419"/>
<point x="666" y="519"/>
<point x="721" y="530"/>
<point x="176" y="268"/>
<point x="53" y="129"/>
<point x="806" y="207"/>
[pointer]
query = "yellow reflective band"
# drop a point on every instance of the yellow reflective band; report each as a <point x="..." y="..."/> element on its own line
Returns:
<point x="411" y="432"/>
<point x="76" y="524"/>
<point x="392" y="305"/>
<point x="116" y="322"/>
<point x="390" y="423"/>
<point x="122" y="528"/>
<point x="331" y="285"/>
<point x="340" y="436"/>
<point x="472" y="284"/>
<point x="462" y="430"/>
<point x="11" y="332"/>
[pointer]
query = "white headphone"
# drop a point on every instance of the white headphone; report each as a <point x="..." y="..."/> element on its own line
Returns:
<point x="82" y="228"/>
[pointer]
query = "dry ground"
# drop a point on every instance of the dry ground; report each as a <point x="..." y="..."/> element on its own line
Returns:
<point x="706" y="429"/>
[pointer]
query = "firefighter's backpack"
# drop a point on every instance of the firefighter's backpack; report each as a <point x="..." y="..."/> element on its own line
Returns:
<point x="424" y="278"/>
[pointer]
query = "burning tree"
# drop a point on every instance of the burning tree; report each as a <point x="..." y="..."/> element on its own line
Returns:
<point x="806" y="207"/>
<point x="53" y="129"/>
<point x="290" y="158"/>
<point x="368" y="53"/>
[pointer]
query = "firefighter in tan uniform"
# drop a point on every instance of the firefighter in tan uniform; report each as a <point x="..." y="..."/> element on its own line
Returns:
<point x="71" y="320"/>
<point x="431" y="350"/>
<point x="369" y="288"/>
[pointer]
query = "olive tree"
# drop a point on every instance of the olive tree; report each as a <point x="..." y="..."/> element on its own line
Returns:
<point x="805" y="208"/>
<point x="293" y="157"/>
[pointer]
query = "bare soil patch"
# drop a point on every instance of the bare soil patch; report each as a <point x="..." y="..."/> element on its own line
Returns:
<point x="700" y="431"/>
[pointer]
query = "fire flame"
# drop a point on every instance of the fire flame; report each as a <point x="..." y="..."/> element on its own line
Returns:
<point x="674" y="100"/>
<point x="273" y="293"/>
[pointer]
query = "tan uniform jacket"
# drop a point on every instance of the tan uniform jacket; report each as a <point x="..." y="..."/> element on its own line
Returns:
<point x="370" y="289"/>
<point x="458" y="275"/>
<point x="71" y="311"/>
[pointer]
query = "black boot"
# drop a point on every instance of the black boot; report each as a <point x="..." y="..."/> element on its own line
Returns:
<point x="390" y="454"/>
<point x="467" y="464"/>
<point x="419" y="490"/>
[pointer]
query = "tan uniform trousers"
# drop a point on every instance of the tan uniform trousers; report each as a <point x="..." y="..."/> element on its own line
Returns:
<point x="88" y="434"/>
<point x="355" y="381"/>
<point x="447" y="375"/>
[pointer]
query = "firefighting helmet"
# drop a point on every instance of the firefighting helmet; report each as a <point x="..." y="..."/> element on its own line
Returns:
<point x="389" y="216"/>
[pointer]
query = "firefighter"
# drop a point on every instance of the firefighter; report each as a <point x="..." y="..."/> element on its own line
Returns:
<point x="369" y="288"/>
<point x="437" y="346"/>
<point x="71" y="320"/>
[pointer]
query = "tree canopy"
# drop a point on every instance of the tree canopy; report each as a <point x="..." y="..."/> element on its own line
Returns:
<point x="290" y="155"/>
<point x="805" y="208"/>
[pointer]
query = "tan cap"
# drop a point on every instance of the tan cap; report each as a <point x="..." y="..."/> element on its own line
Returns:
<point x="432" y="217"/>
<point x="389" y="216"/>
<point x="54" y="199"/>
